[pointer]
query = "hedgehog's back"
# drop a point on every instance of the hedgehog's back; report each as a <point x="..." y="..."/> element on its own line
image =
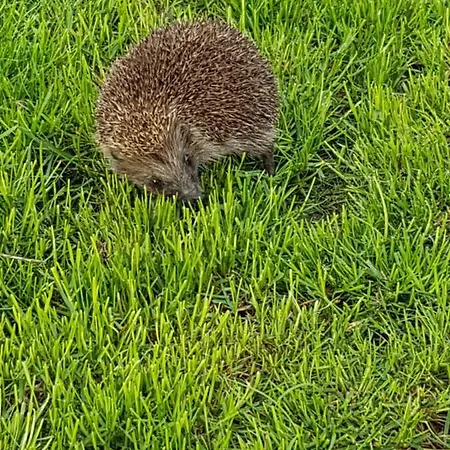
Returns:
<point x="208" y="74"/>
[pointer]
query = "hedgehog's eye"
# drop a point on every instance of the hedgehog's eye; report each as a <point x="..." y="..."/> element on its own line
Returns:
<point x="154" y="182"/>
<point x="187" y="160"/>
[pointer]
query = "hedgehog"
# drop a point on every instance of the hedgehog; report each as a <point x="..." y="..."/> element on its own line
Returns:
<point x="187" y="95"/>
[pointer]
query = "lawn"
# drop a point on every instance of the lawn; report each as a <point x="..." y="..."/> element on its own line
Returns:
<point x="305" y="311"/>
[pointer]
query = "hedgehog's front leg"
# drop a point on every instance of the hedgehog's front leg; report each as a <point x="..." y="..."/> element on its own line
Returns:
<point x="268" y="161"/>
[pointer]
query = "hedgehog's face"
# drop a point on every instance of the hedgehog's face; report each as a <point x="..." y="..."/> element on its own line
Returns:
<point x="167" y="176"/>
<point x="168" y="166"/>
<point x="173" y="168"/>
<point x="179" y="178"/>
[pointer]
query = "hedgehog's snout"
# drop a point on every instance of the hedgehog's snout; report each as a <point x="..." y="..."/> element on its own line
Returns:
<point x="191" y="194"/>
<point x="189" y="189"/>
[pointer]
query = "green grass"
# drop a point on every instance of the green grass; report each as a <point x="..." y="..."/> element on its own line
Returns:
<point x="307" y="311"/>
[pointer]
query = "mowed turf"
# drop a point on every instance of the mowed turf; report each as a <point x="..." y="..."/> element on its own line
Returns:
<point x="305" y="311"/>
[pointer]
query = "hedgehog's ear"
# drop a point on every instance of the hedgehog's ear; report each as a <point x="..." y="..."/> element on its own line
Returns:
<point x="185" y="133"/>
<point x="184" y="128"/>
<point x="114" y="159"/>
<point x="115" y="155"/>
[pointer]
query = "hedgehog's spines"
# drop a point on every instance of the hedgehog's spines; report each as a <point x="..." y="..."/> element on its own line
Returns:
<point x="188" y="92"/>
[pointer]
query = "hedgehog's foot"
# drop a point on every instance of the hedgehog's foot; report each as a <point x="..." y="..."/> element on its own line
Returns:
<point x="269" y="163"/>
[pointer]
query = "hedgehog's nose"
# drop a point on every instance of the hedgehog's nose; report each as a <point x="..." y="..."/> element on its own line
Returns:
<point x="192" y="195"/>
